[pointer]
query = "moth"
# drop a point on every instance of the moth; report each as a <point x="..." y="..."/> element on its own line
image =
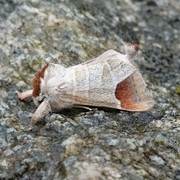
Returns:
<point x="111" y="80"/>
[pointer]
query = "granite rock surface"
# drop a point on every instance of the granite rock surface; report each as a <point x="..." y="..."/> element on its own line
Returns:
<point x="102" y="143"/>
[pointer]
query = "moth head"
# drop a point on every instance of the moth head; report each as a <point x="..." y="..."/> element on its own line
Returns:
<point x="37" y="82"/>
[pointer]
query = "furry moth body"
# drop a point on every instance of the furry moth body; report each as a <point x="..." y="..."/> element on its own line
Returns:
<point x="110" y="80"/>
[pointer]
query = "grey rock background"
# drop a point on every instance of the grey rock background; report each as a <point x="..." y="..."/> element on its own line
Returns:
<point x="102" y="143"/>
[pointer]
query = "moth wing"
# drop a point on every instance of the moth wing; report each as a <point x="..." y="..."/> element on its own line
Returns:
<point x="110" y="80"/>
<point x="97" y="98"/>
<point x="130" y="94"/>
<point x="95" y="82"/>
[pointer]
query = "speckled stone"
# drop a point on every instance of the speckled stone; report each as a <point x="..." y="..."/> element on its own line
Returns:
<point x="101" y="143"/>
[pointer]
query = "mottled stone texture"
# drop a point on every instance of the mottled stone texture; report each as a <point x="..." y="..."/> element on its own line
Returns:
<point x="102" y="143"/>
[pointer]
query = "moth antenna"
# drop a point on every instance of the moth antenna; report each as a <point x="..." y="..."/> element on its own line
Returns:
<point x="131" y="50"/>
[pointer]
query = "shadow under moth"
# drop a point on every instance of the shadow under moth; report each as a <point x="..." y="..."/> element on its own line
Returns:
<point x="111" y="80"/>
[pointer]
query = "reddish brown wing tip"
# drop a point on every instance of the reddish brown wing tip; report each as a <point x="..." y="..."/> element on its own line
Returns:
<point x="133" y="94"/>
<point x="37" y="81"/>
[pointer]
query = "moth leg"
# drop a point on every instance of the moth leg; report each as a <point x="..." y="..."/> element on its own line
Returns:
<point x="24" y="95"/>
<point x="43" y="109"/>
<point x="83" y="107"/>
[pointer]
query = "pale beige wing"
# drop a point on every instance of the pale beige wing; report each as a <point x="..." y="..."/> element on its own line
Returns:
<point x="94" y="83"/>
<point x="110" y="80"/>
<point x="131" y="94"/>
